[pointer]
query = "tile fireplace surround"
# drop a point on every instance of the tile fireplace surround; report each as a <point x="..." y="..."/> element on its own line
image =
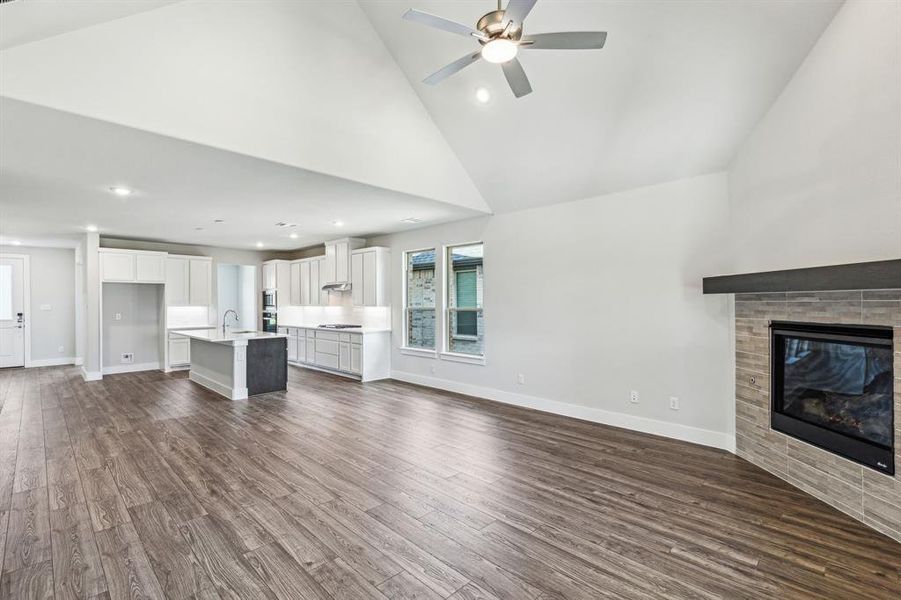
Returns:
<point x="863" y="493"/>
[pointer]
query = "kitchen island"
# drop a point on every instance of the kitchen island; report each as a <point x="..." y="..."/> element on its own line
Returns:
<point x="238" y="364"/>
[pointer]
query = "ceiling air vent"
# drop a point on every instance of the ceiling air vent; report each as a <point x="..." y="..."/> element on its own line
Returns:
<point x="7" y="1"/>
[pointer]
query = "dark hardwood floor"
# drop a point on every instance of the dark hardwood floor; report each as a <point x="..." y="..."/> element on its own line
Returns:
<point x="147" y="486"/>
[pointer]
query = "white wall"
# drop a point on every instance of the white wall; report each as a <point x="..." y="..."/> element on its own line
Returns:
<point x="138" y="330"/>
<point x="247" y="296"/>
<point x="592" y="299"/>
<point x="819" y="180"/>
<point x="227" y="295"/>
<point x="52" y="282"/>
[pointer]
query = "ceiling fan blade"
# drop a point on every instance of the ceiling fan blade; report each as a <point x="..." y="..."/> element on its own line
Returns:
<point x="565" y="40"/>
<point x="516" y="77"/>
<point x="517" y="10"/>
<point x="424" y="18"/>
<point x="445" y="72"/>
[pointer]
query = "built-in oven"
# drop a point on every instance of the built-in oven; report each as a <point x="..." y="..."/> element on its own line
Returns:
<point x="269" y="300"/>
<point x="270" y="322"/>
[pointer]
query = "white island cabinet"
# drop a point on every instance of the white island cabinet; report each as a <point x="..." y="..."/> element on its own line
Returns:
<point x="238" y="364"/>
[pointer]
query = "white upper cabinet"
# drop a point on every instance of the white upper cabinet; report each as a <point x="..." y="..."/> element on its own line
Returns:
<point x="369" y="276"/>
<point x="337" y="260"/>
<point x="277" y="276"/>
<point x="269" y="275"/>
<point x="201" y="282"/>
<point x="177" y="276"/>
<point x="132" y="266"/>
<point x="295" y="283"/>
<point x="189" y="280"/>
<point x="305" y="286"/>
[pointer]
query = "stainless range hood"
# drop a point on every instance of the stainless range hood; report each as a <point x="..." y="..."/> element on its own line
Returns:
<point x="337" y="287"/>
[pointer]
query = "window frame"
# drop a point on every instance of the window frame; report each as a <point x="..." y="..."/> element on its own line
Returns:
<point x="446" y="334"/>
<point x="406" y="348"/>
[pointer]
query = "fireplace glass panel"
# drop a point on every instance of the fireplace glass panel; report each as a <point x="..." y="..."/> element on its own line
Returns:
<point x="844" y="387"/>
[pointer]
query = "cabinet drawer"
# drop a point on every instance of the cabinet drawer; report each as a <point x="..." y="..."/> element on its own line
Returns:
<point x="301" y="333"/>
<point x="326" y="347"/>
<point x="327" y="335"/>
<point x="326" y="360"/>
<point x="343" y="337"/>
<point x="356" y="338"/>
<point x="284" y="331"/>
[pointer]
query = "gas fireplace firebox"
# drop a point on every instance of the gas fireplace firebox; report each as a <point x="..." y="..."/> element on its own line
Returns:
<point x="832" y="386"/>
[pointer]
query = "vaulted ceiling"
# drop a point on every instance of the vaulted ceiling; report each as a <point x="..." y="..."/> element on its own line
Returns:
<point x="333" y="90"/>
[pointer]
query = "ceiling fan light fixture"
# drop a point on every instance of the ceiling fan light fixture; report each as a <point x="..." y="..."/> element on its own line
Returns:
<point x="499" y="50"/>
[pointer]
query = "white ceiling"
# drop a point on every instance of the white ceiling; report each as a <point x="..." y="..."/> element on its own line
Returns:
<point x="313" y="111"/>
<point x="56" y="170"/>
<point x="679" y="85"/>
<point x="25" y="21"/>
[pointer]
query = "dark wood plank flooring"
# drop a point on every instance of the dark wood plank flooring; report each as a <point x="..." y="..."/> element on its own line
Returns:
<point x="147" y="486"/>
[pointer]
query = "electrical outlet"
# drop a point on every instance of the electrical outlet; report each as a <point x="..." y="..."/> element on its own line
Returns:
<point x="673" y="403"/>
<point x="46" y="307"/>
<point x="520" y="379"/>
<point x="127" y="357"/>
<point x="61" y="349"/>
<point x="633" y="397"/>
<point x="118" y="316"/>
<point x="432" y="370"/>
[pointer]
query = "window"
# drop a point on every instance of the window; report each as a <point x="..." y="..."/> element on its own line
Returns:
<point x="465" y="331"/>
<point x="420" y="299"/>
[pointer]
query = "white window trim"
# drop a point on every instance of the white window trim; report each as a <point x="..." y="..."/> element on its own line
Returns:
<point x="446" y="334"/>
<point x="423" y="352"/>
<point x="405" y="348"/>
<point x="471" y="359"/>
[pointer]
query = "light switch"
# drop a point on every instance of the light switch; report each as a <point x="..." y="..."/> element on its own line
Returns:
<point x="46" y="307"/>
<point x="118" y="316"/>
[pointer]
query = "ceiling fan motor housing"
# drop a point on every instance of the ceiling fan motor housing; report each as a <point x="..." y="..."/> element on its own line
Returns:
<point x="493" y="25"/>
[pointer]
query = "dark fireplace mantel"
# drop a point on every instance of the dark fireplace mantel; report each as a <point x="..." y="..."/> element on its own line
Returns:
<point x="877" y="275"/>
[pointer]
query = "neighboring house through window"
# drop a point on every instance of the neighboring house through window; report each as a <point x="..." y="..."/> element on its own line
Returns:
<point x="463" y="299"/>
<point x="420" y="299"/>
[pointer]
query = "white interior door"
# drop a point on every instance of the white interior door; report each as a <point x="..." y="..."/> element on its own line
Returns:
<point x="12" y="312"/>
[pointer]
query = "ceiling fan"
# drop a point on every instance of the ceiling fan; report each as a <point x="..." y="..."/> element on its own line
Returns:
<point x="500" y="33"/>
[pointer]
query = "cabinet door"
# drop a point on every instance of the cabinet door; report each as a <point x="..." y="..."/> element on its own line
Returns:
<point x="370" y="277"/>
<point x="344" y="356"/>
<point x="356" y="359"/>
<point x="150" y="268"/>
<point x="117" y="266"/>
<point x="310" y="355"/>
<point x="341" y="262"/>
<point x="268" y="276"/>
<point x="315" y="291"/>
<point x="176" y="282"/>
<point x="296" y="284"/>
<point x="179" y="352"/>
<point x="301" y="347"/>
<point x="327" y="275"/>
<point x="292" y="347"/>
<point x="201" y="282"/>
<point x="323" y="294"/>
<point x="283" y="283"/>
<point x="357" y="277"/>
<point x="305" y="283"/>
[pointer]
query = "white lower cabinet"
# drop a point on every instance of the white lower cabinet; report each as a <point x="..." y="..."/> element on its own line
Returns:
<point x="179" y="352"/>
<point x="338" y="351"/>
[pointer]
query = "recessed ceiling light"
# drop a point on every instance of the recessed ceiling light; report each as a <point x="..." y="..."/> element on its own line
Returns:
<point x="483" y="95"/>
<point x="293" y="235"/>
<point x="218" y="220"/>
<point x="120" y="191"/>
<point x="499" y="50"/>
<point x="338" y="223"/>
<point x="15" y="242"/>
<point x="198" y="229"/>
<point x="91" y="227"/>
<point x="259" y="244"/>
<point x="411" y="220"/>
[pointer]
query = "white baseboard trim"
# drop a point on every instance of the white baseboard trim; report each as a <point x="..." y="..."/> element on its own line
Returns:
<point x="686" y="433"/>
<point x="215" y="386"/>
<point x="51" y="362"/>
<point x="91" y="375"/>
<point x="131" y="368"/>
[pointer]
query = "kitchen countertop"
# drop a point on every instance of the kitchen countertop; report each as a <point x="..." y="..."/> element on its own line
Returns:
<point x="192" y="328"/>
<point x="229" y="338"/>
<point x="363" y="330"/>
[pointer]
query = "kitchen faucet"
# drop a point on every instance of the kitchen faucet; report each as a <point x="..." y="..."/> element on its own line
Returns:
<point x="225" y="318"/>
